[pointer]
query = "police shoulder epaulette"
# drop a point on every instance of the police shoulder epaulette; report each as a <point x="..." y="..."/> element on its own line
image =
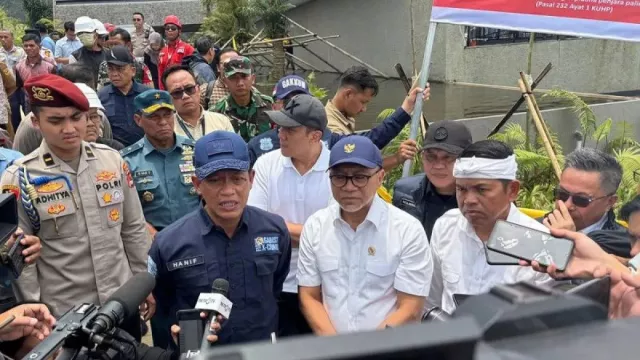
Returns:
<point x="132" y="148"/>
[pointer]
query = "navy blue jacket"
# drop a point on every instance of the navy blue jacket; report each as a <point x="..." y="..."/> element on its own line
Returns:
<point x="380" y="135"/>
<point x="119" y="109"/>
<point x="187" y="256"/>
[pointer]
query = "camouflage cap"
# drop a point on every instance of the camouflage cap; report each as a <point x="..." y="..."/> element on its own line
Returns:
<point x="237" y="65"/>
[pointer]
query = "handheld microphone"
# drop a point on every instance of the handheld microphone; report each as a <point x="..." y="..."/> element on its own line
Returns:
<point x="217" y="303"/>
<point x="123" y="303"/>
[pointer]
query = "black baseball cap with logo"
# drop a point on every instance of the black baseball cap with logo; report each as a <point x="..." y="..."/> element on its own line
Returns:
<point x="302" y="110"/>
<point x="119" y="55"/>
<point x="448" y="135"/>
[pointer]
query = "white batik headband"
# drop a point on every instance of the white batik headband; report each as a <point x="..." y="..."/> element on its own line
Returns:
<point x="482" y="168"/>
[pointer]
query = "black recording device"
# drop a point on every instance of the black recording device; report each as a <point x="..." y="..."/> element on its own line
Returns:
<point x="191" y="331"/>
<point x="496" y="258"/>
<point x="86" y="326"/>
<point x="530" y="244"/>
<point x="11" y="258"/>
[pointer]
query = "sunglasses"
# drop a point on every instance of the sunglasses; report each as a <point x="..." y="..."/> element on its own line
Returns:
<point x="578" y="200"/>
<point x="171" y="28"/>
<point x="179" y="94"/>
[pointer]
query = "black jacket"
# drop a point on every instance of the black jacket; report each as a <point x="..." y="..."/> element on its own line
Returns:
<point x="612" y="238"/>
<point x="416" y="196"/>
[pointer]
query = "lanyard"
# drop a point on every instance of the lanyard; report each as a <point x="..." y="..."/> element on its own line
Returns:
<point x="186" y="129"/>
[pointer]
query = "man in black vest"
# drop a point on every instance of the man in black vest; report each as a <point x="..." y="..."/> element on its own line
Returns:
<point x="429" y="197"/>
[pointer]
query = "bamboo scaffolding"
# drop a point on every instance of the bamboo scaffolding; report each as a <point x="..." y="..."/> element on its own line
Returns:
<point x="539" y="123"/>
<point x="303" y="43"/>
<point x="301" y="61"/>
<point x="537" y="110"/>
<point x="304" y="46"/>
<point x="269" y="41"/>
<point x="333" y="46"/>
<point x="520" y="101"/>
<point x="591" y="95"/>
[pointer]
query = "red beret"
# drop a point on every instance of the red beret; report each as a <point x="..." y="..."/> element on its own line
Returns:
<point x="55" y="91"/>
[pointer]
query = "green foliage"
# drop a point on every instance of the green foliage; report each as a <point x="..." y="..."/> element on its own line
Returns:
<point x="580" y="107"/>
<point x="38" y="9"/>
<point x="392" y="149"/>
<point x="314" y="89"/>
<point x="231" y="19"/>
<point x="271" y="14"/>
<point x="14" y="25"/>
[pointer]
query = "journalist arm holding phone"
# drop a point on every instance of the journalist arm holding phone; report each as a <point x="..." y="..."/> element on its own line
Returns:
<point x="588" y="260"/>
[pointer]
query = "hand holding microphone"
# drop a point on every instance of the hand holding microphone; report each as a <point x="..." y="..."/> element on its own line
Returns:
<point x="219" y="308"/>
<point x="214" y="328"/>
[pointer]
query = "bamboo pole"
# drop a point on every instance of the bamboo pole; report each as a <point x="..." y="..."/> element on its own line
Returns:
<point x="283" y="39"/>
<point x="591" y="95"/>
<point x="245" y="47"/>
<point x="424" y="125"/>
<point x="520" y="101"/>
<point x="302" y="43"/>
<point x="226" y="44"/>
<point x="301" y="61"/>
<point x="304" y="46"/>
<point x="538" y="123"/>
<point x="339" y="49"/>
<point x="536" y="109"/>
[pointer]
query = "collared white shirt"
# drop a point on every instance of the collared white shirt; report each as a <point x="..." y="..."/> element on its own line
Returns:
<point x="279" y="189"/>
<point x="460" y="262"/>
<point x="360" y="271"/>
<point x="598" y="225"/>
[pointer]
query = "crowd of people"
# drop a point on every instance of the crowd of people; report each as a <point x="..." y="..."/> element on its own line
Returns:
<point x="139" y="152"/>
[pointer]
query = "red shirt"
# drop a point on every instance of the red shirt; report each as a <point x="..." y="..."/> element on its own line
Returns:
<point x="172" y="55"/>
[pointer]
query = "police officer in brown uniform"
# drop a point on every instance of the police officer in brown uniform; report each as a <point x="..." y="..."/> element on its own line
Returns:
<point x="80" y="199"/>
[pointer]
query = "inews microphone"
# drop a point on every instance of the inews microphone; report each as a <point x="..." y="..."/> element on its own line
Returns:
<point x="217" y="303"/>
<point x="123" y="303"/>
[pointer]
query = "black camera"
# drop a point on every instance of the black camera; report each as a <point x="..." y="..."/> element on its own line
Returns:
<point x="11" y="259"/>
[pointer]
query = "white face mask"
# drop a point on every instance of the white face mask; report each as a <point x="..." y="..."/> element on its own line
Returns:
<point x="87" y="39"/>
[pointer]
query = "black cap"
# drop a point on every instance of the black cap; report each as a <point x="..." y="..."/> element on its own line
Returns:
<point x="119" y="55"/>
<point x="448" y="135"/>
<point x="301" y="110"/>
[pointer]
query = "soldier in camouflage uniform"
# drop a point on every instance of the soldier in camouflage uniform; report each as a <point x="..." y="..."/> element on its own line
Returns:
<point x="245" y="107"/>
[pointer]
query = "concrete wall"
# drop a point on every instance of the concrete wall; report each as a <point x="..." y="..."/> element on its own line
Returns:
<point x="118" y="13"/>
<point x="586" y="65"/>
<point x="376" y="31"/>
<point x="564" y="122"/>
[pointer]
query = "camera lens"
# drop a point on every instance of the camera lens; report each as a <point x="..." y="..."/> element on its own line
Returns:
<point x="436" y="314"/>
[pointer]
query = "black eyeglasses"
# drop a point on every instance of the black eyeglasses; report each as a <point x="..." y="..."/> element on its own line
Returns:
<point x="171" y="28"/>
<point x="358" y="181"/>
<point x="578" y="200"/>
<point x="178" y="94"/>
<point x="136" y="20"/>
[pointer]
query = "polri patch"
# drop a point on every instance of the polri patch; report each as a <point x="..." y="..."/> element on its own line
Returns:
<point x="267" y="243"/>
<point x="185" y="263"/>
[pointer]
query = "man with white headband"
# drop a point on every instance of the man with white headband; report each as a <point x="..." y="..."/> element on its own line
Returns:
<point x="486" y="187"/>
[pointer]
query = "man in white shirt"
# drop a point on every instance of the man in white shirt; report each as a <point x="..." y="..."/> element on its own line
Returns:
<point x="486" y="187"/>
<point x="364" y="264"/>
<point x="293" y="182"/>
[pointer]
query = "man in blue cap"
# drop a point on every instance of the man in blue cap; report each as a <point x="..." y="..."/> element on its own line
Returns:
<point x="161" y="165"/>
<point x="381" y="135"/>
<point x="224" y="238"/>
<point x="363" y="264"/>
